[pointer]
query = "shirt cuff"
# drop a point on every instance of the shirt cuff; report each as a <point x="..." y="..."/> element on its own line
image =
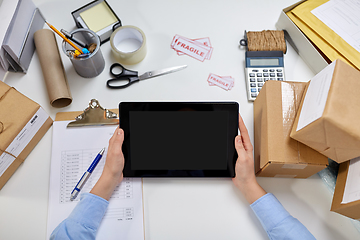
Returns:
<point x="89" y="211"/>
<point x="269" y="211"/>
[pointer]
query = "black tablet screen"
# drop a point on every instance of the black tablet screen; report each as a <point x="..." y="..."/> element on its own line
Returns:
<point x="173" y="140"/>
<point x="179" y="139"/>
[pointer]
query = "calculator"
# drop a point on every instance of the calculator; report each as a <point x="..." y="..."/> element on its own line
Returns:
<point x="261" y="66"/>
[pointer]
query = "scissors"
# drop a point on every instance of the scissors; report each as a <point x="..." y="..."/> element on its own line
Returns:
<point x="128" y="77"/>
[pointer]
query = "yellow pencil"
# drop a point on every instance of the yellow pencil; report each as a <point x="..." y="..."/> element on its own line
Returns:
<point x="61" y="35"/>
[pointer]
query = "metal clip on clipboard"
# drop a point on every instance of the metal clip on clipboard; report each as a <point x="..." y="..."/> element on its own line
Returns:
<point x="95" y="115"/>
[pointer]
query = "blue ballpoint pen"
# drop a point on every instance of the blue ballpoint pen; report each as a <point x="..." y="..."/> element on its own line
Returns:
<point x="86" y="175"/>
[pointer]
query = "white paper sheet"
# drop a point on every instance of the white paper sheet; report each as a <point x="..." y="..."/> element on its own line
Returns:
<point x="73" y="150"/>
<point x="352" y="186"/>
<point x="316" y="96"/>
<point x="342" y="16"/>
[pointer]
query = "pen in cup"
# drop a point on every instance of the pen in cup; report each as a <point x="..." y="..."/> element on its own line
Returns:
<point x="75" y="40"/>
<point x="86" y="175"/>
<point x="82" y="51"/>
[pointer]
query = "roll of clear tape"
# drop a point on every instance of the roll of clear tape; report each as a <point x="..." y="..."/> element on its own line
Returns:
<point x="128" y="44"/>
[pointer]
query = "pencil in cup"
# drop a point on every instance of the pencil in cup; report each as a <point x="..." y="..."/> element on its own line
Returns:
<point x="84" y="50"/>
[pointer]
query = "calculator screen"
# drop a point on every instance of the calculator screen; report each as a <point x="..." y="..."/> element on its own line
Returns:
<point x="264" y="62"/>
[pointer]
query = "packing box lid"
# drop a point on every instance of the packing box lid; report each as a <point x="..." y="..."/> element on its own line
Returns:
<point x="335" y="131"/>
<point x="274" y="112"/>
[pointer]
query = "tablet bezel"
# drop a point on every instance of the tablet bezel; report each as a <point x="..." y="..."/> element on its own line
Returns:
<point x="231" y="107"/>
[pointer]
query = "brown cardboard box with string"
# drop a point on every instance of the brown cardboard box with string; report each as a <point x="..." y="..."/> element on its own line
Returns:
<point x="22" y="124"/>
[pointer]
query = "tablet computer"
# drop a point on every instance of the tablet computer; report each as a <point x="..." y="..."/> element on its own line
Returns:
<point x="179" y="139"/>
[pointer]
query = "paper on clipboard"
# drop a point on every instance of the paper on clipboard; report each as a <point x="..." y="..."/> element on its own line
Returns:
<point x="73" y="149"/>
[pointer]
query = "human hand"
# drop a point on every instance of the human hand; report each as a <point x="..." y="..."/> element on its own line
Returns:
<point x="114" y="164"/>
<point x="245" y="179"/>
<point x="112" y="173"/>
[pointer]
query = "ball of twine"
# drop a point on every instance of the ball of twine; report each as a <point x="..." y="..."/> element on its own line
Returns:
<point x="266" y="40"/>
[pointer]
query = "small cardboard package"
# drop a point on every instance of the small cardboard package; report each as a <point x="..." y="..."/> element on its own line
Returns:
<point x="346" y="200"/>
<point x="328" y="117"/>
<point x="22" y="124"/>
<point x="276" y="154"/>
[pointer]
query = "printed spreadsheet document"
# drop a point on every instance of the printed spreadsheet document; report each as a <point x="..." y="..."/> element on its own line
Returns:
<point x="73" y="150"/>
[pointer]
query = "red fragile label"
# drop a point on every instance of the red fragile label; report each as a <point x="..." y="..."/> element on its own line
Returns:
<point x="199" y="49"/>
<point x="224" y="82"/>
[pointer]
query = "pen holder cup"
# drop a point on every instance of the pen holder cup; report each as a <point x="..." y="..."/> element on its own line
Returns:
<point x="86" y="66"/>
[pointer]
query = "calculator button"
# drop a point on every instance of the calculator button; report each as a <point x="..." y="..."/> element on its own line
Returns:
<point x="279" y="70"/>
<point x="253" y="90"/>
<point x="259" y="74"/>
<point x="260" y="84"/>
<point x="272" y="70"/>
<point x="280" y="79"/>
<point x="266" y="79"/>
<point x="259" y="89"/>
<point x="266" y="75"/>
<point x="272" y="74"/>
<point x="252" y="74"/>
<point x="279" y="74"/>
<point x="255" y="70"/>
<point x="252" y="79"/>
<point x="272" y="78"/>
<point x="259" y="79"/>
<point x="265" y="70"/>
<point x="252" y="84"/>
<point x="253" y="95"/>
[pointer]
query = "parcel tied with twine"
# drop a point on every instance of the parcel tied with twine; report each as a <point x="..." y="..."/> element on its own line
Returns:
<point x="22" y="124"/>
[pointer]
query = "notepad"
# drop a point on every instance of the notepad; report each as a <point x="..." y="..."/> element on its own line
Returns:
<point x="98" y="17"/>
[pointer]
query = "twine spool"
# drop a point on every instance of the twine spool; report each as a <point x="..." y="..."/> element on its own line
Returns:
<point x="266" y="40"/>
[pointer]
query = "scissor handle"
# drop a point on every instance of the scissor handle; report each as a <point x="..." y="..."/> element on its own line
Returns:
<point x="127" y="79"/>
<point x="124" y="75"/>
<point x="123" y="71"/>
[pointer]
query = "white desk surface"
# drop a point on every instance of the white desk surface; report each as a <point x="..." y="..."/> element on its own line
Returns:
<point x="173" y="208"/>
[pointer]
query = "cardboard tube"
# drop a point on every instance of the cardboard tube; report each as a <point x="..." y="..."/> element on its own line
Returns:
<point x="52" y="68"/>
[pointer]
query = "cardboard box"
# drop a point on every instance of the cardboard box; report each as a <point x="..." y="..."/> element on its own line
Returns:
<point x="276" y="154"/>
<point x="22" y="124"/>
<point x="350" y="209"/>
<point x="328" y="118"/>
<point x="298" y="40"/>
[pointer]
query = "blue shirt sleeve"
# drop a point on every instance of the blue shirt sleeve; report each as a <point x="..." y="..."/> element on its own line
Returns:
<point x="277" y="222"/>
<point x="84" y="220"/>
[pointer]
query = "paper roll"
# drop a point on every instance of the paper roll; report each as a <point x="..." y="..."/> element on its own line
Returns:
<point x="52" y="68"/>
<point x="128" y="44"/>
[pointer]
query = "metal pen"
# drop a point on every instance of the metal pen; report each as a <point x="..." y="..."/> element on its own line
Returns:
<point x="86" y="175"/>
